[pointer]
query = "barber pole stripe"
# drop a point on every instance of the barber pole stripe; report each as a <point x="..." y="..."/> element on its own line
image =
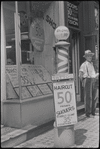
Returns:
<point x="63" y="70"/>
<point x="62" y="60"/>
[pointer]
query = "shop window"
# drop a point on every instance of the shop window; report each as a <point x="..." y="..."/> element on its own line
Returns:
<point x="26" y="46"/>
<point x="25" y="52"/>
<point x="9" y="10"/>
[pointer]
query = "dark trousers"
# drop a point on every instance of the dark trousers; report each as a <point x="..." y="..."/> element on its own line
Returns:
<point x="90" y="99"/>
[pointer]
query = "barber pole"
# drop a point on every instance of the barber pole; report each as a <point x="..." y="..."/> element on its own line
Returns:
<point x="64" y="135"/>
<point x="62" y="59"/>
<point x="62" y="33"/>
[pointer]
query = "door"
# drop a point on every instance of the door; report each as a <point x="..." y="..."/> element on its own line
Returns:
<point x="74" y="58"/>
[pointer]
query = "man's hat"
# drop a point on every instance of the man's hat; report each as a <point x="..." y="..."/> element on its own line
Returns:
<point x="88" y="52"/>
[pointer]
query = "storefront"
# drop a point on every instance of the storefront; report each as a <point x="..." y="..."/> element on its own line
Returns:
<point x="82" y="18"/>
<point x="29" y="34"/>
<point x="29" y="58"/>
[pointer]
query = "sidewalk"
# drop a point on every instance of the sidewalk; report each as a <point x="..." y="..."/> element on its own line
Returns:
<point x="86" y="135"/>
<point x="11" y="137"/>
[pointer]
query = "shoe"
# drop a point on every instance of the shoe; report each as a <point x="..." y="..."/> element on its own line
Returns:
<point x="96" y="114"/>
<point x="93" y="114"/>
<point x="87" y="115"/>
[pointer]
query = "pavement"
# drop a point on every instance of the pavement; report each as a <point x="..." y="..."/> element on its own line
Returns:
<point x="86" y="135"/>
<point x="11" y="136"/>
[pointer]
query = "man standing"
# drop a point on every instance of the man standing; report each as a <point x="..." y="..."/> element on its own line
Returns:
<point x="89" y="77"/>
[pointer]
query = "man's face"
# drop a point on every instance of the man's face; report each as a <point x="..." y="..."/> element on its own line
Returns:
<point x="88" y="58"/>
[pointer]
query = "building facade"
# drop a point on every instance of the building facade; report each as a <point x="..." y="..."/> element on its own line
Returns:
<point x="30" y="46"/>
<point x="83" y="21"/>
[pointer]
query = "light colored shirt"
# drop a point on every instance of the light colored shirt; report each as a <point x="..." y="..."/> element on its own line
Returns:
<point x="87" y="69"/>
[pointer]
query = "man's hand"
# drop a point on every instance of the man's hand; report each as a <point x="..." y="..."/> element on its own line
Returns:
<point x="81" y="75"/>
<point x="97" y="76"/>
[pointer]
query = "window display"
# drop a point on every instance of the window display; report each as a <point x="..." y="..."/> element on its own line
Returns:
<point x="35" y="81"/>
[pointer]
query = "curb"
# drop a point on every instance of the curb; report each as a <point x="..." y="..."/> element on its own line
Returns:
<point x="19" y="136"/>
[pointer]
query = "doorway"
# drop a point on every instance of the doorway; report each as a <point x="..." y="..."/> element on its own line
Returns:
<point x="74" y="61"/>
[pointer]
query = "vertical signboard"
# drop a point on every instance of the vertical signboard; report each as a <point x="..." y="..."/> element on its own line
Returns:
<point x="65" y="103"/>
<point x="72" y="11"/>
<point x="96" y="14"/>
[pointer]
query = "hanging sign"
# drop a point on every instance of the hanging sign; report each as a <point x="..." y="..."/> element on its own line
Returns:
<point x="37" y="34"/>
<point x="65" y="103"/>
<point x="62" y="33"/>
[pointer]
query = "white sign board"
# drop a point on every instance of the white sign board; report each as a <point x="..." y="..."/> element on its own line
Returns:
<point x="65" y="102"/>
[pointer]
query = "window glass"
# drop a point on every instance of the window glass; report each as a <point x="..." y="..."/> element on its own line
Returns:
<point x="96" y="13"/>
<point x="9" y="10"/>
<point x="26" y="46"/>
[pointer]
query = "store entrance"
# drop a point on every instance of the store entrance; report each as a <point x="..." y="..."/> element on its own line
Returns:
<point x="74" y="60"/>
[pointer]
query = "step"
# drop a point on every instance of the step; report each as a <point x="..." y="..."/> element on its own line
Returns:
<point x="11" y="137"/>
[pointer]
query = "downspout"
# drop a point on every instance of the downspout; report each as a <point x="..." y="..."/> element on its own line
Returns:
<point x="3" y="62"/>
<point x="61" y="13"/>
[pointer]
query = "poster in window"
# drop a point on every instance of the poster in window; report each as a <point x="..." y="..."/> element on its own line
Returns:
<point x="45" y="89"/>
<point x="25" y="92"/>
<point x="39" y="73"/>
<point x="34" y="90"/>
<point x="26" y="78"/>
<point x="12" y="73"/>
<point x="11" y="94"/>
